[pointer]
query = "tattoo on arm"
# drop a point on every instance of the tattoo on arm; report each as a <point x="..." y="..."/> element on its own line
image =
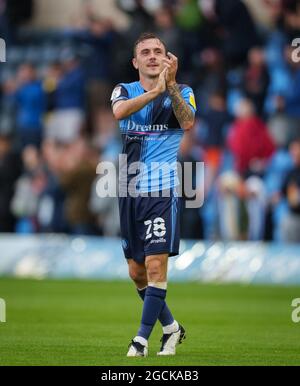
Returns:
<point x="181" y="109"/>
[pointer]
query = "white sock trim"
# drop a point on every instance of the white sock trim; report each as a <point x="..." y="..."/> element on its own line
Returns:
<point x="171" y="328"/>
<point x="141" y="340"/>
<point x="161" y="285"/>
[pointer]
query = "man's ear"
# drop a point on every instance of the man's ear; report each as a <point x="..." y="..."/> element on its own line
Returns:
<point x="135" y="65"/>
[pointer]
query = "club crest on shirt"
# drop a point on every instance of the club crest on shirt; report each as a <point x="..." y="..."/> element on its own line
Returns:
<point x="116" y="93"/>
<point x="167" y="103"/>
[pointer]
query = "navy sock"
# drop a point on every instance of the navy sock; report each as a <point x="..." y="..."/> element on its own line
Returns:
<point x="153" y="304"/>
<point x="165" y="317"/>
<point x="142" y="293"/>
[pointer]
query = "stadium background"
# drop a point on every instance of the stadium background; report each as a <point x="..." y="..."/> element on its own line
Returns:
<point x="63" y="59"/>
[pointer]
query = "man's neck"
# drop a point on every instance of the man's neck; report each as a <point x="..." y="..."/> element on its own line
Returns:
<point x="148" y="84"/>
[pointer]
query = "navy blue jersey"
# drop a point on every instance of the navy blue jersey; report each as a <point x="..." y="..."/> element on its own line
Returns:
<point x="152" y="136"/>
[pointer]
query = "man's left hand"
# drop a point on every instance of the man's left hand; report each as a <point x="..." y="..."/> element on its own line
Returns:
<point x="172" y="62"/>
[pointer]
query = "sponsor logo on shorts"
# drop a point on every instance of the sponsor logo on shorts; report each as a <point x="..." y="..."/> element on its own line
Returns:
<point x="157" y="241"/>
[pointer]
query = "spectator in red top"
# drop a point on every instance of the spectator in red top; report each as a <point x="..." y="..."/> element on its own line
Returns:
<point x="249" y="140"/>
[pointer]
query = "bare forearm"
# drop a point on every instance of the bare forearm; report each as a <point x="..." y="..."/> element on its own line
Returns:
<point x="181" y="109"/>
<point x="131" y="106"/>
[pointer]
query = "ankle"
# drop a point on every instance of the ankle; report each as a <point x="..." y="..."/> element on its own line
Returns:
<point x="141" y="340"/>
<point x="169" y="329"/>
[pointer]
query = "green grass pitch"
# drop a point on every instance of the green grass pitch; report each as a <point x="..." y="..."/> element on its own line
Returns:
<point x="91" y="323"/>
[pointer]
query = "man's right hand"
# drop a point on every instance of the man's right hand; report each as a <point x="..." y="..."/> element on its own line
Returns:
<point x="161" y="83"/>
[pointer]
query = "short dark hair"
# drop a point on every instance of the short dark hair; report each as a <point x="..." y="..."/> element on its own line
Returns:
<point x="146" y="36"/>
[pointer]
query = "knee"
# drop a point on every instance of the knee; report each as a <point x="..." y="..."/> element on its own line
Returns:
<point x="155" y="271"/>
<point x="138" y="276"/>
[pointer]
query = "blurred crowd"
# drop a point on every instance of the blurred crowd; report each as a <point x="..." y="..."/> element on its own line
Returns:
<point x="56" y="123"/>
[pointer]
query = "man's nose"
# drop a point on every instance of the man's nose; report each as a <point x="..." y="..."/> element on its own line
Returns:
<point x="152" y="56"/>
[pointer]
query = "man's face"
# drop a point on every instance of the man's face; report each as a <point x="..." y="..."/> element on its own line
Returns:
<point x="149" y="58"/>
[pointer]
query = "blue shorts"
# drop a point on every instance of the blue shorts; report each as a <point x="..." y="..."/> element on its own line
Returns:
<point x="149" y="226"/>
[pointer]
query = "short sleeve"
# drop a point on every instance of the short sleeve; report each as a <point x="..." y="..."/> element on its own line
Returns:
<point x="119" y="93"/>
<point x="188" y="95"/>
